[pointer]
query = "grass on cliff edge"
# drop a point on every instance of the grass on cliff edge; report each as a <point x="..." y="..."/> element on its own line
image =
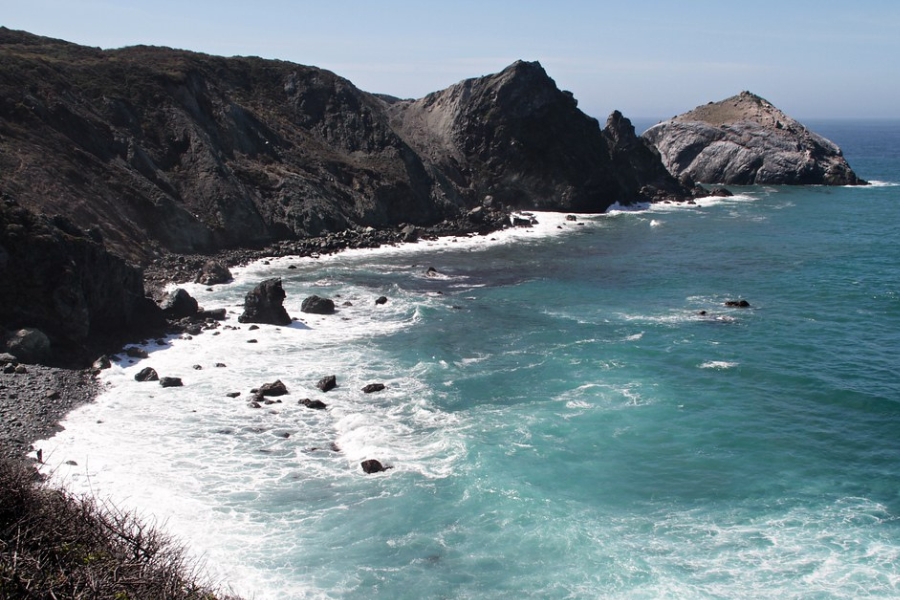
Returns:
<point x="57" y="546"/>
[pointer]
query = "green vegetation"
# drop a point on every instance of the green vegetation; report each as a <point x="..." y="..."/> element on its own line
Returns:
<point x="55" y="545"/>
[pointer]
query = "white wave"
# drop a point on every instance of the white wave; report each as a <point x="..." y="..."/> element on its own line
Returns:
<point x="875" y="183"/>
<point x="719" y="364"/>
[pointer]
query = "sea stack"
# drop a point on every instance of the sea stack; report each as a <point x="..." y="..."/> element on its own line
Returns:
<point x="745" y="140"/>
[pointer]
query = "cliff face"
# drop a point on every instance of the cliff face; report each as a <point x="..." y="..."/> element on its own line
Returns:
<point x="62" y="281"/>
<point x="744" y="140"/>
<point x="172" y="151"/>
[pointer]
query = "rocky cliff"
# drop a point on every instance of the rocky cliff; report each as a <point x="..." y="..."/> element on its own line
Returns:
<point x="171" y="151"/>
<point x="744" y="140"/>
<point x="63" y="295"/>
<point x="516" y="137"/>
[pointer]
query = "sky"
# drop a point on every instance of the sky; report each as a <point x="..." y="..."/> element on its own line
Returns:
<point x="646" y="58"/>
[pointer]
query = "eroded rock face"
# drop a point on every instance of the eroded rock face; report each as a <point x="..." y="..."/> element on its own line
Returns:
<point x="61" y="280"/>
<point x="263" y="304"/>
<point x="744" y="140"/>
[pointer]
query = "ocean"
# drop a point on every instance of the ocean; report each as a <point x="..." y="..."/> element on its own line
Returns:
<point x="570" y="411"/>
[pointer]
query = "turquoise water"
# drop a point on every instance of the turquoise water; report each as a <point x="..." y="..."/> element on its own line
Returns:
<point x="561" y="419"/>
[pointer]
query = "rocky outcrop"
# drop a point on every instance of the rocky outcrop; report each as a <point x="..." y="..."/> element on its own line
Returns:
<point x="519" y="139"/>
<point x="62" y="281"/>
<point x="744" y="140"/>
<point x="263" y="304"/>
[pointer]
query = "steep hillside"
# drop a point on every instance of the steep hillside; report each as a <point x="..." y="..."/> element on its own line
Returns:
<point x="173" y="151"/>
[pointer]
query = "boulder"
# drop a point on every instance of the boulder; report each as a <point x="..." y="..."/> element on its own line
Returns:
<point x="410" y="233"/>
<point x="212" y="273"/>
<point x="737" y="303"/>
<point x="215" y="314"/>
<point x="373" y="387"/>
<point x="135" y="352"/>
<point x="276" y="388"/>
<point x="381" y="300"/>
<point x="327" y="383"/>
<point x="146" y="374"/>
<point x="372" y="466"/>
<point x="745" y="140"/>
<point x="263" y="304"/>
<point x="316" y="404"/>
<point x="102" y="363"/>
<point x="317" y="305"/>
<point x="29" y="345"/>
<point x="179" y="304"/>
<point x="170" y="382"/>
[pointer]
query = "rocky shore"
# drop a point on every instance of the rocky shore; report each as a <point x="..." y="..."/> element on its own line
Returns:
<point x="34" y="399"/>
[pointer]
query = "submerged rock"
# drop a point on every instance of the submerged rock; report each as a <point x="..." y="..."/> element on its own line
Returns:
<point x="372" y="466"/>
<point x="327" y="383"/>
<point x="316" y="404"/>
<point x="373" y="387"/>
<point x="745" y="140"/>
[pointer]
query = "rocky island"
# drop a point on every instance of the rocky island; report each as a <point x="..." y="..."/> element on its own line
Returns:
<point x="745" y="140"/>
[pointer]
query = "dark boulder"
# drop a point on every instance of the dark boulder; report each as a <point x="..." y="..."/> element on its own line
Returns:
<point x="276" y="388"/>
<point x="327" y="383"/>
<point x="212" y="273"/>
<point x="214" y="314"/>
<point x="372" y="466"/>
<point x="170" y="382"/>
<point x="146" y="374"/>
<point x="263" y="304"/>
<point x="381" y="300"/>
<point x="317" y="305"/>
<point x="373" y="387"/>
<point x="29" y="345"/>
<point x="135" y="352"/>
<point x="102" y="363"/>
<point x="316" y="404"/>
<point x="179" y="304"/>
<point x="737" y="303"/>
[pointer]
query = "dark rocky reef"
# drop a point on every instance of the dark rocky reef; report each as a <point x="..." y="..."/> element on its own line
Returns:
<point x="744" y="140"/>
<point x="63" y="282"/>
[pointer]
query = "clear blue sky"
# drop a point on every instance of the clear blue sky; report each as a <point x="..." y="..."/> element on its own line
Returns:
<point x="652" y="58"/>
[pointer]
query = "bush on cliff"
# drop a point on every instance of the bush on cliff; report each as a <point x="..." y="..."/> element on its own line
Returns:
<point x="55" y="545"/>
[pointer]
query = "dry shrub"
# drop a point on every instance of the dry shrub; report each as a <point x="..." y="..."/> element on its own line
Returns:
<point x="57" y="546"/>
